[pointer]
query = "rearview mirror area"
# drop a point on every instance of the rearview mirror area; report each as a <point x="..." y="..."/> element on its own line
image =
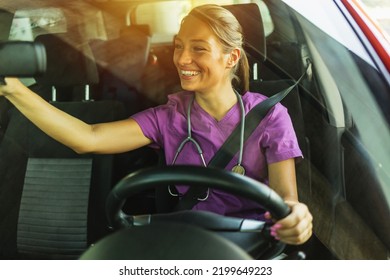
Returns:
<point x="22" y="59"/>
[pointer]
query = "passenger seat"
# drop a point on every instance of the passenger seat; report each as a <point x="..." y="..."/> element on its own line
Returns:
<point x="121" y="62"/>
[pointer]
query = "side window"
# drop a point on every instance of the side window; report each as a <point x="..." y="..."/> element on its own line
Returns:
<point x="163" y="18"/>
<point x="379" y="11"/>
<point x="266" y="17"/>
<point x="28" y="24"/>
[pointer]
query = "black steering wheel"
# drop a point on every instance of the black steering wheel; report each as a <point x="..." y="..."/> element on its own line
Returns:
<point x="188" y="234"/>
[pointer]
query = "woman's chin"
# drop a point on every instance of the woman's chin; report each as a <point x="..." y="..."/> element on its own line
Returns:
<point x="187" y="86"/>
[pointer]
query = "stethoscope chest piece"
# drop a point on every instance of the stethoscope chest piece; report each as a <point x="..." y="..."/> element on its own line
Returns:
<point x="239" y="169"/>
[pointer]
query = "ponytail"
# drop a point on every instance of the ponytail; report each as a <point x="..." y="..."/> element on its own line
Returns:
<point x="240" y="80"/>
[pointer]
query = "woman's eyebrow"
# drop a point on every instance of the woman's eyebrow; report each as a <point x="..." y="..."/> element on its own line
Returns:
<point x="200" y="41"/>
<point x="175" y="37"/>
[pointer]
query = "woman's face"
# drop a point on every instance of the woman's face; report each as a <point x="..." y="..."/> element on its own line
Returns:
<point x="198" y="57"/>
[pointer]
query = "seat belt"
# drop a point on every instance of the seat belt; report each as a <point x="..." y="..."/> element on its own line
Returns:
<point x="230" y="147"/>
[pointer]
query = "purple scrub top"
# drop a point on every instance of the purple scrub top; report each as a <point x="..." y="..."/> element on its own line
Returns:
<point x="273" y="140"/>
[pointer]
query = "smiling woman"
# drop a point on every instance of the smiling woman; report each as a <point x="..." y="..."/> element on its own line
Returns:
<point x="211" y="62"/>
<point x="325" y="145"/>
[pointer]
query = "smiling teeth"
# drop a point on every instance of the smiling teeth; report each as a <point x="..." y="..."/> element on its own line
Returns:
<point x="189" y="73"/>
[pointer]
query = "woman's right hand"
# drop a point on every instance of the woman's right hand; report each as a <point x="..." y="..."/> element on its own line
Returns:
<point x="296" y="228"/>
<point x="9" y="86"/>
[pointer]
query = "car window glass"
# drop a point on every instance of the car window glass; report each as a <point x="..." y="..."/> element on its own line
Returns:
<point x="266" y="17"/>
<point x="379" y="11"/>
<point x="164" y="17"/>
<point x="337" y="65"/>
<point x="28" y="24"/>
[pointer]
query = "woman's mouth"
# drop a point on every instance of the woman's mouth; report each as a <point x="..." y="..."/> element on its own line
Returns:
<point x="188" y="73"/>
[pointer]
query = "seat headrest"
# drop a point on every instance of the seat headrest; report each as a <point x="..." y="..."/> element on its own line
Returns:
<point x="143" y="28"/>
<point x="125" y="56"/>
<point x="249" y="16"/>
<point x="67" y="64"/>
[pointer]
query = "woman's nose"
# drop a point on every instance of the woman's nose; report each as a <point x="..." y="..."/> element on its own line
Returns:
<point x="184" y="57"/>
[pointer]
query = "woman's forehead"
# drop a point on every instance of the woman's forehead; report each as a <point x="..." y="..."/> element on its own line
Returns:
<point x="194" y="29"/>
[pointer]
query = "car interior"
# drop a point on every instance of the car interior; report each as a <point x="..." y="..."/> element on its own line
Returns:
<point x="109" y="64"/>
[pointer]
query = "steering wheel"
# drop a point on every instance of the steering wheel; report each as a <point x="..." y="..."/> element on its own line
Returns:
<point x="188" y="234"/>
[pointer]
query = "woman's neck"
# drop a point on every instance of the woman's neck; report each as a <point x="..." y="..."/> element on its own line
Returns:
<point x="217" y="103"/>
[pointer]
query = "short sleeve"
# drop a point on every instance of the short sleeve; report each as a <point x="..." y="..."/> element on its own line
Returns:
<point x="157" y="122"/>
<point x="149" y="123"/>
<point x="279" y="139"/>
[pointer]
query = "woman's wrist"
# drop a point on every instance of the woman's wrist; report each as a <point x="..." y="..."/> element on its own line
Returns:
<point x="12" y="88"/>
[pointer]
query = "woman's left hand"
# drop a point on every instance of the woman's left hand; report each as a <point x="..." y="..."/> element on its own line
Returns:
<point x="296" y="228"/>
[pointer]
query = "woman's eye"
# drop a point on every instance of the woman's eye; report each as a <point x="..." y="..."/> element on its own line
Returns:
<point x="178" y="46"/>
<point x="198" y="49"/>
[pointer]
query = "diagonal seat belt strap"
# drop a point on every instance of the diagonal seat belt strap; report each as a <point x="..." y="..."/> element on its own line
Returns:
<point x="252" y="120"/>
<point x="230" y="147"/>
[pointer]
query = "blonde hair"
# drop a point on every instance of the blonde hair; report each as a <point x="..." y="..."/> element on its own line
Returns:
<point x="229" y="31"/>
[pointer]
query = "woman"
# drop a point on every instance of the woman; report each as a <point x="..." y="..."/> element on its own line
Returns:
<point x="210" y="61"/>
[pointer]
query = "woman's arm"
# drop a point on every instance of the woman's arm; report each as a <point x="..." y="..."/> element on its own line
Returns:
<point x="114" y="137"/>
<point x="296" y="228"/>
<point x="282" y="179"/>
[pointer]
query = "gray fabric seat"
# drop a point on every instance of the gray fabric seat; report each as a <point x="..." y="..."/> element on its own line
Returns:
<point x="121" y="62"/>
<point x="33" y="224"/>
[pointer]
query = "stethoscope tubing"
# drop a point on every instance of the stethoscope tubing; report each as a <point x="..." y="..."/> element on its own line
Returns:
<point x="189" y="138"/>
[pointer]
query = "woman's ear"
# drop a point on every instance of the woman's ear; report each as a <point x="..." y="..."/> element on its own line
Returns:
<point x="234" y="57"/>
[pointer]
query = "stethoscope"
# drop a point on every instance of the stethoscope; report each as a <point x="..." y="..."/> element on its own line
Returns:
<point x="238" y="168"/>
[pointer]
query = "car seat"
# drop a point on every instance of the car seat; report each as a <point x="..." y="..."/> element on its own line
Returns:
<point x="255" y="45"/>
<point x="250" y="19"/>
<point x="260" y="61"/>
<point x="6" y="18"/>
<point x="121" y="62"/>
<point x="52" y="199"/>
